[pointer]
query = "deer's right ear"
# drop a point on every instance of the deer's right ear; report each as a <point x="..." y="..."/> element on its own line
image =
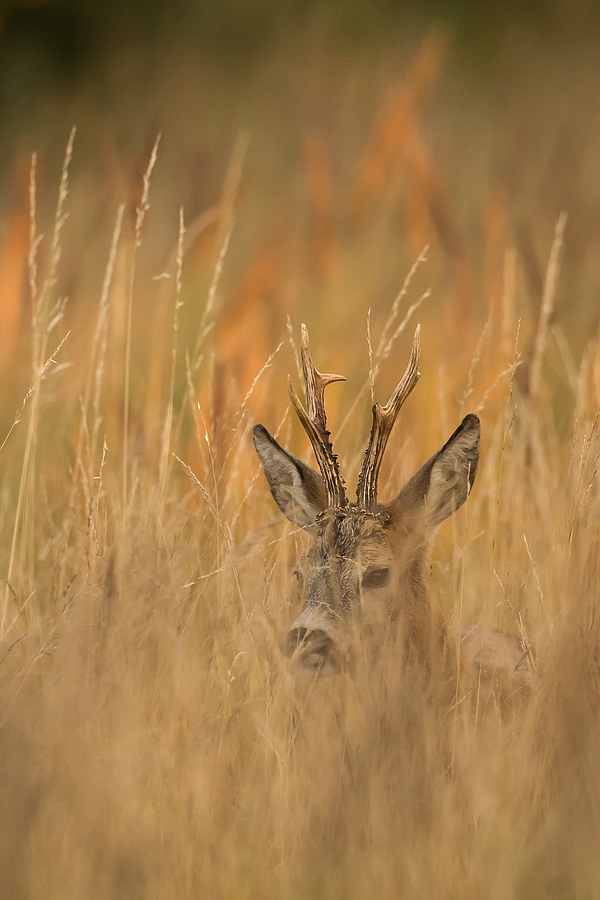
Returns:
<point x="298" y="490"/>
<point x="443" y="483"/>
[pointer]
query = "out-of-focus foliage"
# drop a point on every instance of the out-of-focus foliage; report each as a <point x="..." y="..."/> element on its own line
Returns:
<point x="57" y="40"/>
<point x="153" y="741"/>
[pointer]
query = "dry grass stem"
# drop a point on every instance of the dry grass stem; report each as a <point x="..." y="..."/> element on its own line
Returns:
<point x="140" y="216"/>
<point x="546" y="309"/>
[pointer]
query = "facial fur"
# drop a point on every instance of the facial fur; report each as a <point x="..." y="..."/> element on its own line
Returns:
<point x="359" y="574"/>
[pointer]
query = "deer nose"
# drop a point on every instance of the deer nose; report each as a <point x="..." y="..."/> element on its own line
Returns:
<point x="313" y="649"/>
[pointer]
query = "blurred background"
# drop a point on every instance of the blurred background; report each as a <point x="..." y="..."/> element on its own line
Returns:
<point x="341" y="138"/>
<point x="321" y="153"/>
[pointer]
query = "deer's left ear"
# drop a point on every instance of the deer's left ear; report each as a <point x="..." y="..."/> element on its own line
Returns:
<point x="443" y="483"/>
<point x="298" y="490"/>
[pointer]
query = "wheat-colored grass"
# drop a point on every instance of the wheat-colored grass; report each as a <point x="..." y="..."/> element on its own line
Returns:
<point x="153" y="740"/>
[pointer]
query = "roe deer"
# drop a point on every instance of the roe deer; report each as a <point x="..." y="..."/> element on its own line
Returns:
<point x="366" y="568"/>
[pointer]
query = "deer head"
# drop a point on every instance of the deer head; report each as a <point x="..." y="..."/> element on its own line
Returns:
<point x="365" y="570"/>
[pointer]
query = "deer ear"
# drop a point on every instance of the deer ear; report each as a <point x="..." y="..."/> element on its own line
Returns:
<point x="443" y="483"/>
<point x="298" y="490"/>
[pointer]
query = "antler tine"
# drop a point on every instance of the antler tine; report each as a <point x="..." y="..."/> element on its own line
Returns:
<point x="383" y="422"/>
<point x="315" y="383"/>
<point x="315" y="422"/>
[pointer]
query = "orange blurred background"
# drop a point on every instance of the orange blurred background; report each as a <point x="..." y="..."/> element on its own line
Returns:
<point x="327" y="146"/>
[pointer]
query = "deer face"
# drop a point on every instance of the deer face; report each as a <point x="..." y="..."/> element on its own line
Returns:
<point x="347" y="579"/>
<point x="364" y="570"/>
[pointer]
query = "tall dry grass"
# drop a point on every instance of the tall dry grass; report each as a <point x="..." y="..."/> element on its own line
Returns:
<point x="153" y="741"/>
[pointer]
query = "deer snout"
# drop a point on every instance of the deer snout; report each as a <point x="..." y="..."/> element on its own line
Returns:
<point x="313" y="649"/>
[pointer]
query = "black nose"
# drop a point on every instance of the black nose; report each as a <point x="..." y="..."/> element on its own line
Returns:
<point x="313" y="648"/>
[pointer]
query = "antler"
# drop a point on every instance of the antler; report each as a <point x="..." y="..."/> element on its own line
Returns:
<point x="315" y="423"/>
<point x="383" y="422"/>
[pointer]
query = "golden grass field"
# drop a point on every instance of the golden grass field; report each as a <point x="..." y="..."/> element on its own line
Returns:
<point x="153" y="742"/>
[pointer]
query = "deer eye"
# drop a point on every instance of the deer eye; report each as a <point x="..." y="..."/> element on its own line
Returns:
<point x="376" y="577"/>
